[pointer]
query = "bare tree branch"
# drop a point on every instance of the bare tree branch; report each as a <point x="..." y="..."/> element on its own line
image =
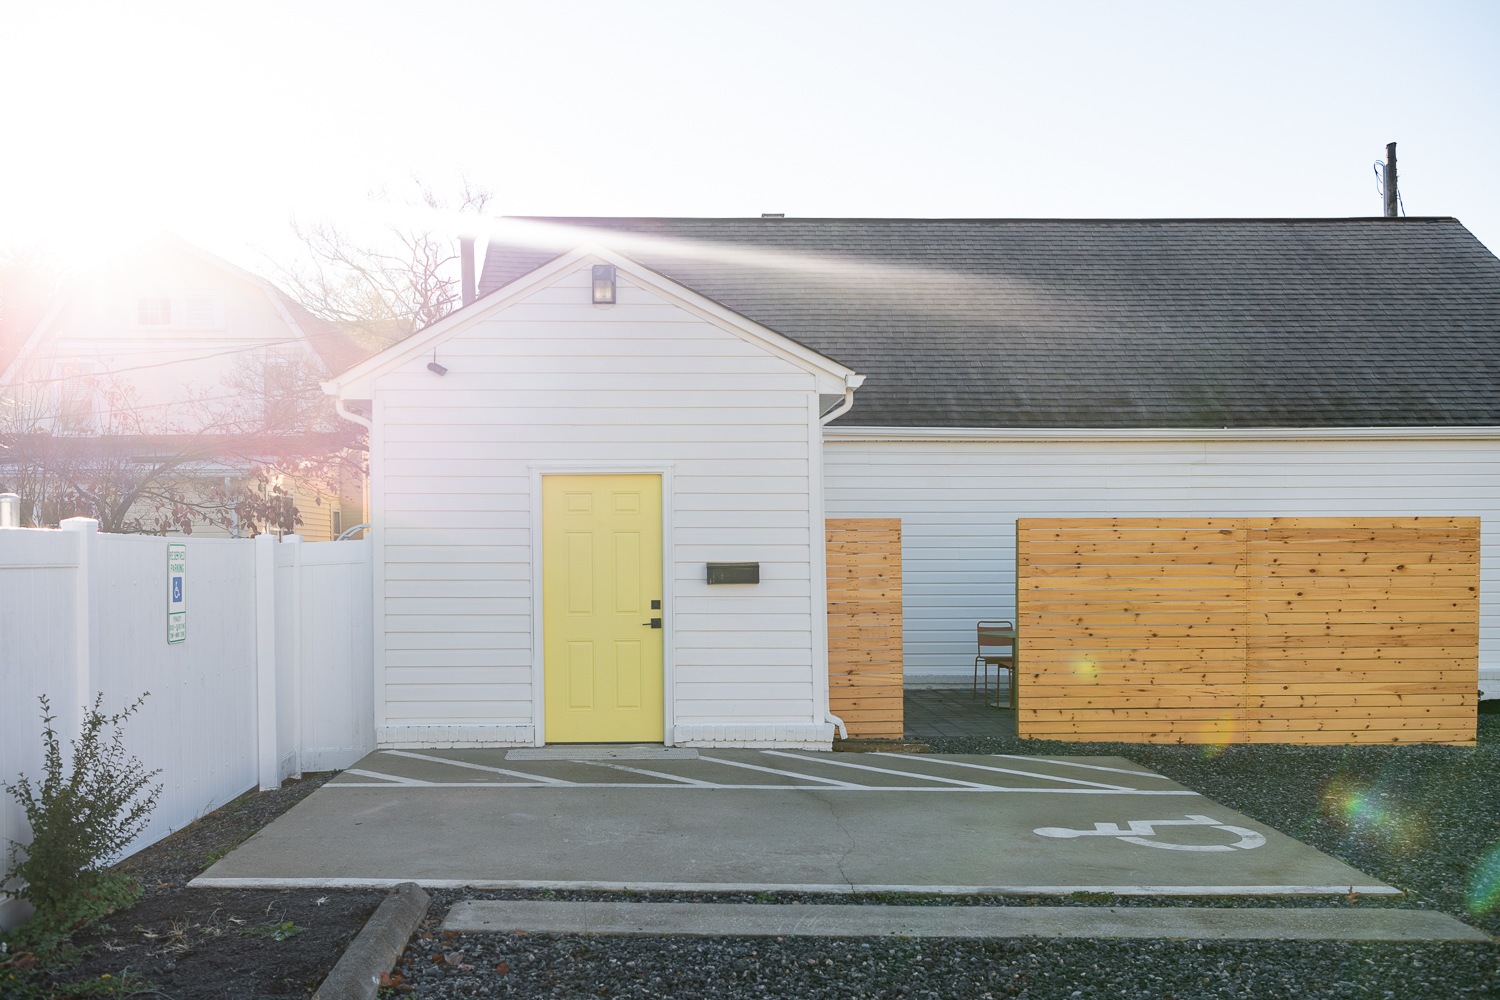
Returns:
<point x="385" y="286"/>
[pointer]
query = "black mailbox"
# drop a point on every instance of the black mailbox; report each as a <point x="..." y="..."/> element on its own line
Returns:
<point x="734" y="572"/>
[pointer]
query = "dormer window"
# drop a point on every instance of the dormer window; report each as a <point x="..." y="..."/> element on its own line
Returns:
<point x="153" y="311"/>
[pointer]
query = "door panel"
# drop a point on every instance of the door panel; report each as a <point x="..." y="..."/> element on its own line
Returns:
<point x="601" y="569"/>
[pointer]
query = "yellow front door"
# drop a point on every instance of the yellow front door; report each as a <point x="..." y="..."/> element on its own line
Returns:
<point x="601" y="592"/>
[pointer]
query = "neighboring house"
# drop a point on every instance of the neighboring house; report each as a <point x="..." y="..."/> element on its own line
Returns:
<point x="166" y="350"/>
<point x="996" y="369"/>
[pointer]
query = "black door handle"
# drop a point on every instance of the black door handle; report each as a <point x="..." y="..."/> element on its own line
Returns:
<point x="654" y="623"/>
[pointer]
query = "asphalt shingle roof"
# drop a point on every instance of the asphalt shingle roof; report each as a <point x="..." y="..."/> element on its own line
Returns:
<point x="1112" y="323"/>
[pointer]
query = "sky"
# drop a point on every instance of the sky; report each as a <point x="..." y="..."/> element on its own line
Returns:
<point x="221" y="122"/>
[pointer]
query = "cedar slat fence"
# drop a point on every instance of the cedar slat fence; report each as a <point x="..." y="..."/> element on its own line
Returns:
<point x="1249" y="630"/>
<point x="864" y="625"/>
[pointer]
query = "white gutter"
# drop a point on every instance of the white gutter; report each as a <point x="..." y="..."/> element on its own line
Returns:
<point x="1160" y="433"/>
<point x="851" y="382"/>
<point x="333" y="389"/>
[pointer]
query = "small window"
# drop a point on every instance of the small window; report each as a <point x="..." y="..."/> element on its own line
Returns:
<point x="153" y="311"/>
<point x="338" y="524"/>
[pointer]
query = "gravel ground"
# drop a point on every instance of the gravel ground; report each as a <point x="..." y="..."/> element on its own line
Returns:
<point x="567" y="966"/>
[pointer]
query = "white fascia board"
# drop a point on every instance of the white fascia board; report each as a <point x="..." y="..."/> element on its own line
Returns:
<point x="1016" y="434"/>
<point x="358" y="382"/>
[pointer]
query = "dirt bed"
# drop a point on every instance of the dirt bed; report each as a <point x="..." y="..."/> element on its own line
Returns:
<point x="197" y="944"/>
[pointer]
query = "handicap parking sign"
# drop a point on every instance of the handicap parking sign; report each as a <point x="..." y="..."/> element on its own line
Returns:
<point x="176" y="604"/>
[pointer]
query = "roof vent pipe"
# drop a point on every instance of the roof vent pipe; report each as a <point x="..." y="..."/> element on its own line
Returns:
<point x="466" y="255"/>
<point x="1392" y="203"/>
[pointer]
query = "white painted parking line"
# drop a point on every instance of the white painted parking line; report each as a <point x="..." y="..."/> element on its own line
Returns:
<point x="789" y="774"/>
<point x="1007" y="770"/>
<point x="655" y="774"/>
<point x="885" y="770"/>
<point x="543" y="779"/>
<point x="393" y="782"/>
<point x="391" y="779"/>
<point x="1091" y="767"/>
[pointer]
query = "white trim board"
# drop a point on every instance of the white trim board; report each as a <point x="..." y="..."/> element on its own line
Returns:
<point x="452" y="737"/>
<point x="668" y="565"/>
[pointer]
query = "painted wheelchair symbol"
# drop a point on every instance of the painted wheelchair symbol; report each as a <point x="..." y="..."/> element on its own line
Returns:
<point x="1141" y="829"/>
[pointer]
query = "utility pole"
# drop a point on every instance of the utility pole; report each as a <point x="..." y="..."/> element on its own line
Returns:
<point x="1392" y="206"/>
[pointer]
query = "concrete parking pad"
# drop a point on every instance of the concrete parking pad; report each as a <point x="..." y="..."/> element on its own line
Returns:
<point x="782" y="920"/>
<point x="737" y="820"/>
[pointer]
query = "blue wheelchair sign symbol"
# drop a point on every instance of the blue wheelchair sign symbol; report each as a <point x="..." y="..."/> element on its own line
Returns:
<point x="176" y="590"/>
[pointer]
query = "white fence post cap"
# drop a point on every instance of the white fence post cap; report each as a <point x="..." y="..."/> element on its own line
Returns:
<point x="79" y="524"/>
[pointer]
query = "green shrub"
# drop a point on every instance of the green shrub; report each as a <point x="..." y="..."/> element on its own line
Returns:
<point x="80" y="820"/>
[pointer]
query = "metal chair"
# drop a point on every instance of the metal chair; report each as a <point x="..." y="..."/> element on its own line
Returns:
<point x="986" y="656"/>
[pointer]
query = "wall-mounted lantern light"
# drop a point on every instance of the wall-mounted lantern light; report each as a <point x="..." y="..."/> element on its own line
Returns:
<point x="604" y="284"/>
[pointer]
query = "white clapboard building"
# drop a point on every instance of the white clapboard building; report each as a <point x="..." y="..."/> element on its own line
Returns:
<point x="633" y="410"/>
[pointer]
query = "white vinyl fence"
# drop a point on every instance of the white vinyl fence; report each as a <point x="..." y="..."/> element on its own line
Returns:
<point x="272" y="678"/>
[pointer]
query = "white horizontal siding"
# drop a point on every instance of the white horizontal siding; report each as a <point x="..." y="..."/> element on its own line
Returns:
<point x="554" y="379"/>
<point x="958" y="503"/>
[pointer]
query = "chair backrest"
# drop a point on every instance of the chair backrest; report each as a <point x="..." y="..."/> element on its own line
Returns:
<point x="992" y="642"/>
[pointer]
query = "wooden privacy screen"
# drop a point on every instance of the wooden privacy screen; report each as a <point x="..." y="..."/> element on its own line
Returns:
<point x="1249" y="630"/>
<point x="864" y="625"/>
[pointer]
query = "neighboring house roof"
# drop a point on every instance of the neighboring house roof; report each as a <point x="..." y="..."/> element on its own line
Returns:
<point x="1097" y="323"/>
<point x="335" y="348"/>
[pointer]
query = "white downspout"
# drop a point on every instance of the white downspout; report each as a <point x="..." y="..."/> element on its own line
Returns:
<point x="851" y="382"/>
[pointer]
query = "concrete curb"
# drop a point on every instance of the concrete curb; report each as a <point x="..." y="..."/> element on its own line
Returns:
<point x="818" y="920"/>
<point x="377" y="947"/>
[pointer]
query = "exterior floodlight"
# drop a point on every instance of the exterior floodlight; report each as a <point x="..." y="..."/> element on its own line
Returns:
<point x="434" y="367"/>
<point x="604" y="284"/>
